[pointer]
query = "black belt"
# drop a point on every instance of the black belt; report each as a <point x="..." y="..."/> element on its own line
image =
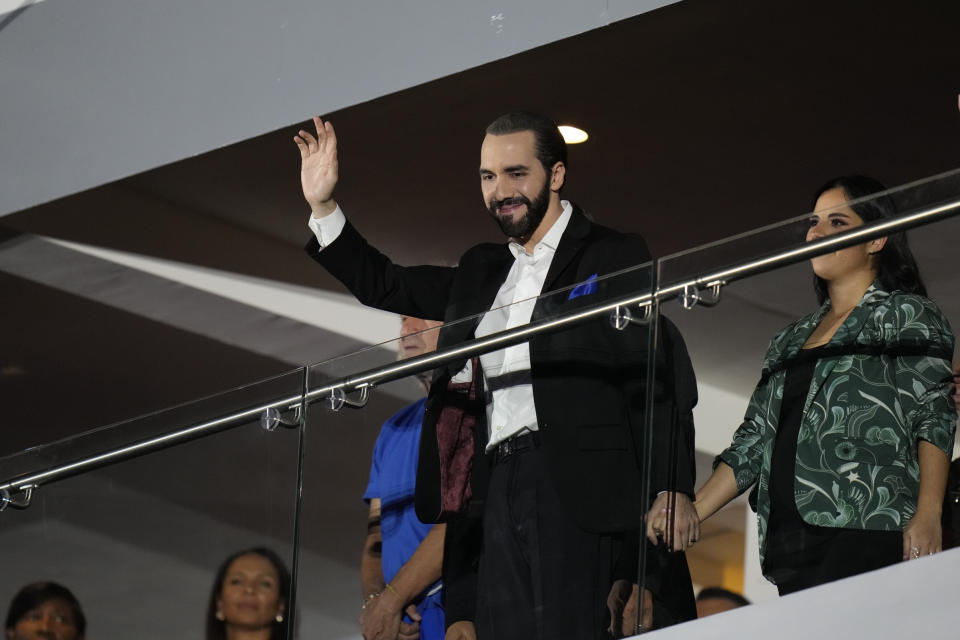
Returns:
<point x="517" y="444"/>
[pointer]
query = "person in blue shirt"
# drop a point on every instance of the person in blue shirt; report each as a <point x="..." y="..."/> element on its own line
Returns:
<point x="402" y="557"/>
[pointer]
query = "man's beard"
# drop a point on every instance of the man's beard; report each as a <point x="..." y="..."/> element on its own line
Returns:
<point x="526" y="225"/>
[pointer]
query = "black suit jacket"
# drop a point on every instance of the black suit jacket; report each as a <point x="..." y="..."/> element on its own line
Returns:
<point x="589" y="381"/>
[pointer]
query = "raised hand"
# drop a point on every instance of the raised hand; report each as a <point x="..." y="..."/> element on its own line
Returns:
<point x="319" y="169"/>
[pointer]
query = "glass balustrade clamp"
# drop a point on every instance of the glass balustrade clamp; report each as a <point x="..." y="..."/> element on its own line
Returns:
<point x="621" y="317"/>
<point x="338" y="398"/>
<point x="692" y="295"/>
<point x="18" y="499"/>
<point x="271" y="418"/>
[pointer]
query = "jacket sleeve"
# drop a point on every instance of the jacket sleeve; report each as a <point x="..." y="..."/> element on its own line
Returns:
<point x="421" y="291"/>
<point x="924" y="378"/>
<point x="746" y="452"/>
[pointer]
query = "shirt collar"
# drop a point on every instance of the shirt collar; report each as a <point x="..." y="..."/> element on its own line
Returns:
<point x="550" y="240"/>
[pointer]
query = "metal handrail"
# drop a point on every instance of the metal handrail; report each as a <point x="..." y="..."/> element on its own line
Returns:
<point x="133" y="450"/>
<point x="386" y="373"/>
<point x="506" y="338"/>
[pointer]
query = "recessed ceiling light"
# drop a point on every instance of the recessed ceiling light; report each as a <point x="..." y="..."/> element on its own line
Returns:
<point x="573" y="135"/>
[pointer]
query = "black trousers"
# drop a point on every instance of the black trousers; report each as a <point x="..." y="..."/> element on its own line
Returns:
<point x="540" y="576"/>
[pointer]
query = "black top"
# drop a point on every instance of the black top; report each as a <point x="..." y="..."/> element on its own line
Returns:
<point x="801" y="555"/>
<point x="787" y="531"/>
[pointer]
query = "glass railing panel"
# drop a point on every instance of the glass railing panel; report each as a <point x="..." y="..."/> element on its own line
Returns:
<point x="144" y="537"/>
<point x="588" y="381"/>
<point x="728" y="337"/>
<point x="182" y="422"/>
<point x="115" y="342"/>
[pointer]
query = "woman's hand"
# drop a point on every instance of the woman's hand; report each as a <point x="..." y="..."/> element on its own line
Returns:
<point x="922" y="536"/>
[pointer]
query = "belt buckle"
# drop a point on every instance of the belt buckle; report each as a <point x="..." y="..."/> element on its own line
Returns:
<point x="514" y="445"/>
<point x="505" y="449"/>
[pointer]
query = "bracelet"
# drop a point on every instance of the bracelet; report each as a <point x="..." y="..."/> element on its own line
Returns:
<point x="366" y="601"/>
<point x="395" y="592"/>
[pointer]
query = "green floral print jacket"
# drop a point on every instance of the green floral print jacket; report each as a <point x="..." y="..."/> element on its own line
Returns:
<point x="880" y="385"/>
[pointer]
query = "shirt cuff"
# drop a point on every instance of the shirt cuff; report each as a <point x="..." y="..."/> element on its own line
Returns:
<point x="328" y="228"/>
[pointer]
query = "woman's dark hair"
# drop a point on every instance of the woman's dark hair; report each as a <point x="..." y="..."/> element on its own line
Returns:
<point x="216" y="629"/>
<point x="550" y="145"/>
<point x="897" y="268"/>
<point x="35" y="594"/>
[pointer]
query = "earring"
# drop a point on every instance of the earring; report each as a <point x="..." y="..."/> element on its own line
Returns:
<point x="219" y="616"/>
<point x="279" y="618"/>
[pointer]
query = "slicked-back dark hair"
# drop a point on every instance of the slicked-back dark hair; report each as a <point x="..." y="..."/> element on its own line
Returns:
<point x="35" y="594"/>
<point x="897" y="268"/>
<point x="550" y="145"/>
<point x="216" y="629"/>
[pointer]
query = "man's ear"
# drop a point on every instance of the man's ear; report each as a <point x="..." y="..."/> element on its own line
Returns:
<point x="558" y="175"/>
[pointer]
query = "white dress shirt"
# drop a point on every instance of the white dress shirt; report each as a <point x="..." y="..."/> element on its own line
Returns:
<point x="510" y="409"/>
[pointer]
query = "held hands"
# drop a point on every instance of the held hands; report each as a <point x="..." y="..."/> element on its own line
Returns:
<point x="319" y="169"/>
<point x="686" y="521"/>
<point x="922" y="537"/>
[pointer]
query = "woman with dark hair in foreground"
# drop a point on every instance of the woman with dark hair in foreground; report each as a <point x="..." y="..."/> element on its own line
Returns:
<point x="45" y="610"/>
<point x="249" y="597"/>
<point x="847" y="437"/>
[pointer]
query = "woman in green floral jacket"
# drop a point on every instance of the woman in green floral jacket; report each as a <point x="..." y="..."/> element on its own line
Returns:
<point x="848" y="435"/>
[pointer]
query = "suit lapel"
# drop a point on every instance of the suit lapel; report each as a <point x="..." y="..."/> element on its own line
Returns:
<point x="570" y="246"/>
<point x="571" y="242"/>
<point x="480" y="284"/>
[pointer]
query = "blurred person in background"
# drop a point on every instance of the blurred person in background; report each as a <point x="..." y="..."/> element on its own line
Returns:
<point x="45" y="610"/>
<point x="249" y="597"/>
<point x="713" y="600"/>
<point x="402" y="557"/>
